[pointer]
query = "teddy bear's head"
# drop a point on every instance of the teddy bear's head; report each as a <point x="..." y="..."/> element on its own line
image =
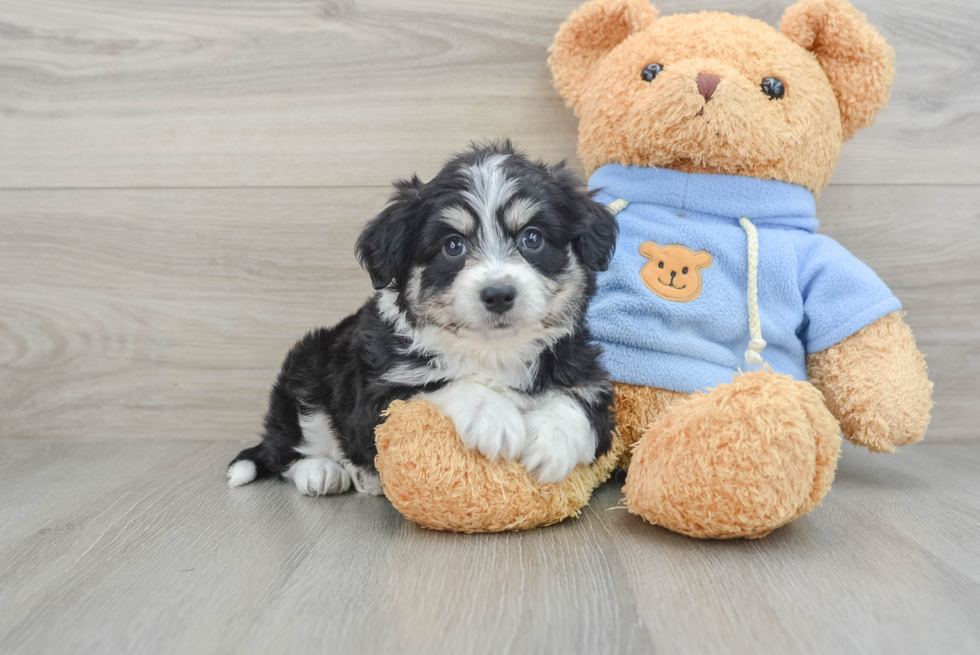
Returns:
<point x="673" y="272"/>
<point x="717" y="93"/>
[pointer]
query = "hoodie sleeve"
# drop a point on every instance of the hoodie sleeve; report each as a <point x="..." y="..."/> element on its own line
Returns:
<point x="841" y="294"/>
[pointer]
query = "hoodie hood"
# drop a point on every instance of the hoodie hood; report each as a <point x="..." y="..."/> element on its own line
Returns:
<point x="766" y="202"/>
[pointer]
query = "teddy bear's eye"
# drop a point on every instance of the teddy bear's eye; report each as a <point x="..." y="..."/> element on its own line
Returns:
<point x="660" y="265"/>
<point x="774" y="88"/>
<point x="650" y="72"/>
<point x="684" y="270"/>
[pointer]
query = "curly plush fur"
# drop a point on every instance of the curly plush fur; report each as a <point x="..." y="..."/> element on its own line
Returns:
<point x="739" y="461"/>
<point x="875" y="383"/>
<point x="432" y="479"/>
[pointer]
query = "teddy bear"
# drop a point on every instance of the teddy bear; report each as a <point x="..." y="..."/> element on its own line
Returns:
<point x="741" y="343"/>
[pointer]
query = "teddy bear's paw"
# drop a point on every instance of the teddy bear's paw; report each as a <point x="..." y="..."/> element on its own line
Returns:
<point x="738" y="461"/>
<point x="433" y="479"/>
<point x="485" y="420"/>
<point x="559" y="437"/>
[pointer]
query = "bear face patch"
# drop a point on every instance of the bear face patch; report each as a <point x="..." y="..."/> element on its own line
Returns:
<point x="673" y="272"/>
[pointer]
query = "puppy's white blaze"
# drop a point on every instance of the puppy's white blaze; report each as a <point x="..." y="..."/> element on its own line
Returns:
<point x="318" y="476"/>
<point x="459" y="219"/>
<point x="241" y="472"/>
<point x="319" y="437"/>
<point x="559" y="437"/>
<point x="520" y="212"/>
<point x="489" y="187"/>
<point x="485" y="420"/>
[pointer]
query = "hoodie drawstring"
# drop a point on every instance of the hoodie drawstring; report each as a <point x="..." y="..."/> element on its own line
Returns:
<point x="617" y="206"/>
<point x="756" y="343"/>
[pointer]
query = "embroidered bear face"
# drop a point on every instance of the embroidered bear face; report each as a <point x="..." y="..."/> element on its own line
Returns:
<point x="673" y="272"/>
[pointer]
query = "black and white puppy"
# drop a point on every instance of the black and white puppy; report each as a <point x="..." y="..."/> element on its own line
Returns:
<point x="483" y="278"/>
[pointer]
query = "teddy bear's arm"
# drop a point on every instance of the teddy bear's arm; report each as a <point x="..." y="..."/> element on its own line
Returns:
<point x="875" y="384"/>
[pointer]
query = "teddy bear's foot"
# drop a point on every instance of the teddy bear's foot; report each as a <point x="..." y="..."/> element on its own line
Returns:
<point x="738" y="461"/>
<point x="434" y="480"/>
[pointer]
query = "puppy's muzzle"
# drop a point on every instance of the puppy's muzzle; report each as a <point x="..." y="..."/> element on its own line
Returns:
<point x="498" y="299"/>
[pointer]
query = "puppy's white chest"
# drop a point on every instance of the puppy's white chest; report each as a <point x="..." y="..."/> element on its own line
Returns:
<point x="504" y="375"/>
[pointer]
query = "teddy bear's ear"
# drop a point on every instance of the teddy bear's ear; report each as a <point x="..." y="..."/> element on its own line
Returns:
<point x="857" y="60"/>
<point x="588" y="34"/>
<point x="703" y="259"/>
<point x="649" y="249"/>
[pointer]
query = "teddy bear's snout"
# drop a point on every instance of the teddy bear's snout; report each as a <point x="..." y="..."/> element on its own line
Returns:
<point x="707" y="83"/>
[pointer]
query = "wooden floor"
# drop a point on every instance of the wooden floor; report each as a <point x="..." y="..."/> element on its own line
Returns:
<point x="181" y="184"/>
<point x="139" y="547"/>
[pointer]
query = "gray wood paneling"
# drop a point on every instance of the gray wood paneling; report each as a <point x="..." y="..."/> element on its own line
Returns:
<point x="140" y="547"/>
<point x="122" y="93"/>
<point x="151" y="314"/>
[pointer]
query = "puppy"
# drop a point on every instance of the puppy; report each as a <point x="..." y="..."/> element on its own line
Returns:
<point x="483" y="278"/>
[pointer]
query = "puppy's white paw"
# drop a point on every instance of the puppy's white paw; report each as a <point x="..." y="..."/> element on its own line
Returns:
<point x="485" y="420"/>
<point x="366" y="482"/>
<point x="318" y="476"/>
<point x="559" y="437"/>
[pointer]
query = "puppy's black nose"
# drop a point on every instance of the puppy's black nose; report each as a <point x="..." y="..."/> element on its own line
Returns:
<point x="498" y="299"/>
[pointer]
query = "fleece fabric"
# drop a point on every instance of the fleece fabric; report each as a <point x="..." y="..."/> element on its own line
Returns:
<point x="812" y="292"/>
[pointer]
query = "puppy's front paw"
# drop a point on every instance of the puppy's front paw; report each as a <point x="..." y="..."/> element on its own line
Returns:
<point x="485" y="420"/>
<point x="559" y="437"/>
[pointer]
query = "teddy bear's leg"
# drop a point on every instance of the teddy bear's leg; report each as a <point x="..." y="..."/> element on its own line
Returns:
<point x="636" y="408"/>
<point x="875" y="383"/>
<point x="738" y="461"/>
<point x="436" y="481"/>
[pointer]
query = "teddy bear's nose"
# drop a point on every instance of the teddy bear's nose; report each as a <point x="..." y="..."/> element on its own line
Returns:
<point x="707" y="83"/>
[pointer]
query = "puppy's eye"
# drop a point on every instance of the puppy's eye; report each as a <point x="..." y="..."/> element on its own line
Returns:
<point x="532" y="240"/>
<point x="454" y="247"/>
<point x="650" y="71"/>
<point x="774" y="88"/>
<point x="684" y="270"/>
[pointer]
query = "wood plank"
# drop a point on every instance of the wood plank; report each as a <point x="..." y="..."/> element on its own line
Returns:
<point x="168" y="559"/>
<point x="119" y="93"/>
<point x="888" y="564"/>
<point x="165" y="314"/>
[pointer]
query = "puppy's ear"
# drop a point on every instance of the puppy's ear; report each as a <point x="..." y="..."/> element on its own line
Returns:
<point x="595" y="226"/>
<point x="597" y="244"/>
<point x="387" y="242"/>
<point x="857" y="60"/>
<point x="587" y="36"/>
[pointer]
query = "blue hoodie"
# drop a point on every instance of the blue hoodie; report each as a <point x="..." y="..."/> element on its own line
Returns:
<point x="689" y="329"/>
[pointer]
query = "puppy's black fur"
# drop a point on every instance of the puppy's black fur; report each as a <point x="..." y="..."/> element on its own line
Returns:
<point x="341" y="371"/>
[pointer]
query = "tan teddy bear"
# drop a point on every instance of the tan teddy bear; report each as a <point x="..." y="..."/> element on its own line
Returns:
<point x="710" y="135"/>
<point x="721" y="130"/>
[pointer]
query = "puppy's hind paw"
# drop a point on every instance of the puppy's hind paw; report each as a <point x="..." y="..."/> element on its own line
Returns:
<point x="318" y="477"/>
